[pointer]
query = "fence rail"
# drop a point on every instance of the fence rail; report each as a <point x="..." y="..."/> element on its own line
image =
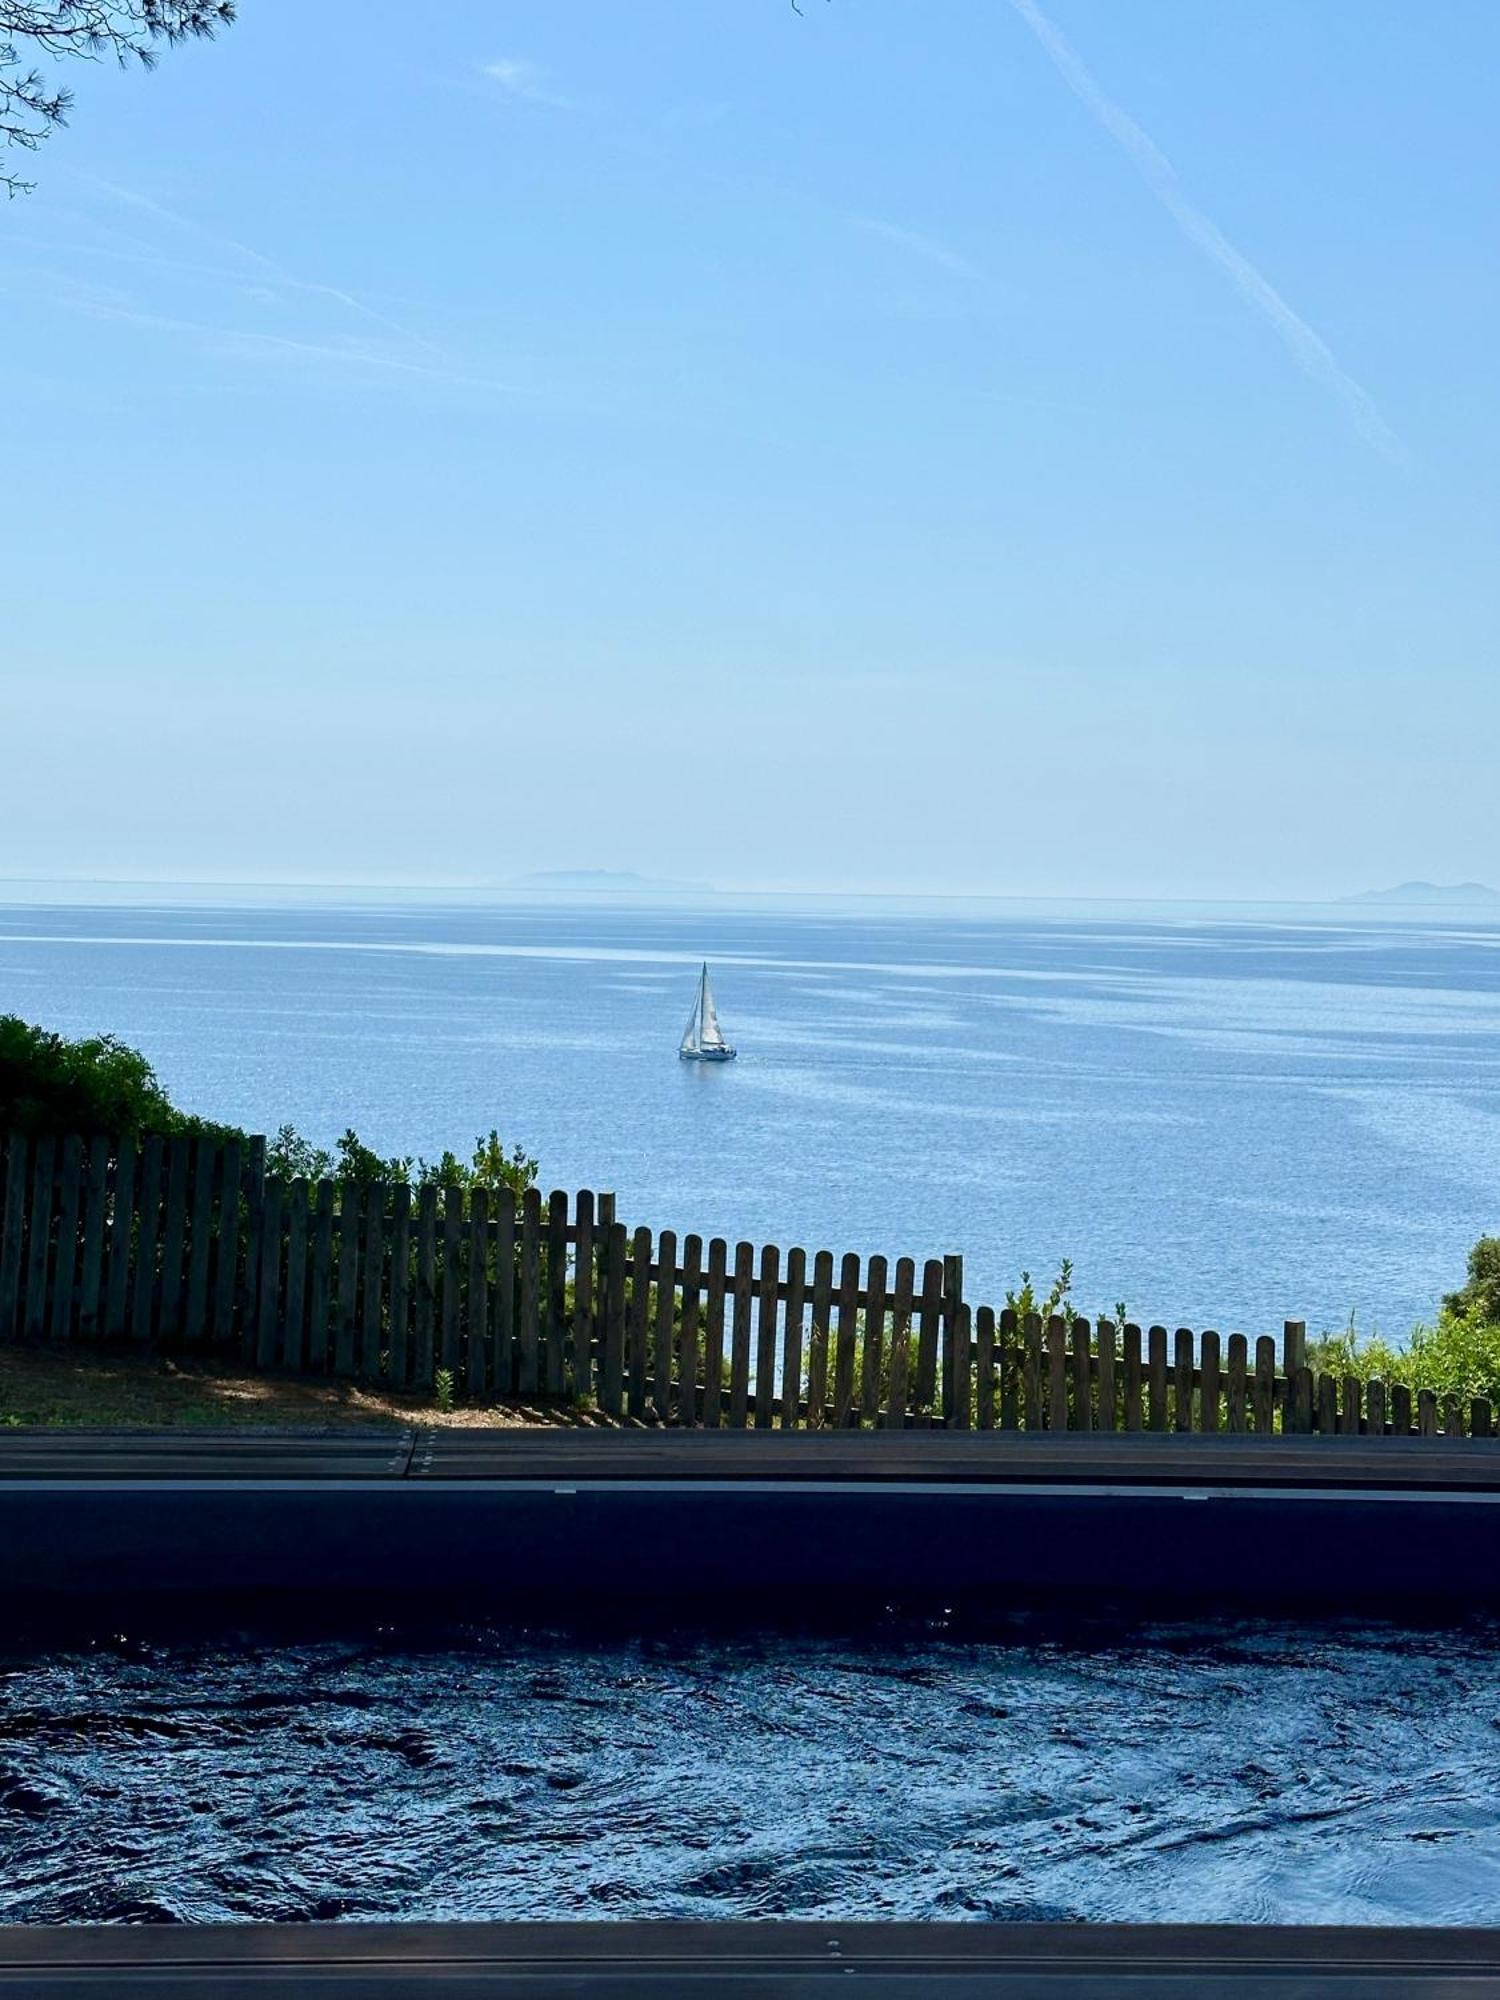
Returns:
<point x="186" y="1244"/>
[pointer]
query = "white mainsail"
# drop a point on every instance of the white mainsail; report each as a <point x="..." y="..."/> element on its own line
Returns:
<point x="710" y="1034"/>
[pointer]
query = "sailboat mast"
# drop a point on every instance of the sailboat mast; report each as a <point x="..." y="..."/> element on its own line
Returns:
<point x="690" y="1034"/>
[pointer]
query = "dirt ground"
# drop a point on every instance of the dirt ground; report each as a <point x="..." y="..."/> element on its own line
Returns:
<point x="82" y="1385"/>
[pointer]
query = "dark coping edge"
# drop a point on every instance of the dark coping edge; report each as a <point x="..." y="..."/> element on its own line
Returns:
<point x="1336" y="1464"/>
<point x="685" y="1945"/>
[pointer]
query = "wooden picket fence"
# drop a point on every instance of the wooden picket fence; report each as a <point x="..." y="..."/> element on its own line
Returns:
<point x="186" y="1244"/>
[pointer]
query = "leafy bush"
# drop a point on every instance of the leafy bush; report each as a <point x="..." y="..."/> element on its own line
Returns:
<point x="53" y="1086"/>
<point x="491" y="1167"/>
<point x="1480" y="1297"/>
<point x="1458" y="1356"/>
<point x="50" y="1085"/>
<point x="1024" y="1300"/>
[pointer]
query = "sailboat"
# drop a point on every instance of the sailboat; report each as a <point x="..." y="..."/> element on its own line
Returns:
<point x="703" y="1038"/>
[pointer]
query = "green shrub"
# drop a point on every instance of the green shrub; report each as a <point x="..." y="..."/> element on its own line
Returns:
<point x="1458" y="1356"/>
<point x="51" y="1086"/>
<point x="491" y="1167"/>
<point x="1480" y="1297"/>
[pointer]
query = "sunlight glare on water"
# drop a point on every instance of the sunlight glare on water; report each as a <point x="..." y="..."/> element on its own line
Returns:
<point x="1221" y="1121"/>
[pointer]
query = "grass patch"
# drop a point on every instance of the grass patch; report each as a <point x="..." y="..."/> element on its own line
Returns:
<point x="114" y="1389"/>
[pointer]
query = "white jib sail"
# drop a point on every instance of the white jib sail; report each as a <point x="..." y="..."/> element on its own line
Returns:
<point x="710" y="1034"/>
<point x="689" y="1043"/>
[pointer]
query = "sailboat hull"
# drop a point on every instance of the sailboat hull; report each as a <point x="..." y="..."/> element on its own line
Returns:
<point x="707" y="1055"/>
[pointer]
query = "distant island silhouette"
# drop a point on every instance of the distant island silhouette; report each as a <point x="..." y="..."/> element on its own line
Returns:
<point x="1427" y="893"/>
<point x="608" y="881"/>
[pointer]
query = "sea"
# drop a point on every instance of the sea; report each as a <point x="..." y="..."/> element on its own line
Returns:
<point x="1221" y="1116"/>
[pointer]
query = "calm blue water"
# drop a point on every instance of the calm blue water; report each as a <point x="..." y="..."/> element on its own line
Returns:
<point x="1221" y="1121"/>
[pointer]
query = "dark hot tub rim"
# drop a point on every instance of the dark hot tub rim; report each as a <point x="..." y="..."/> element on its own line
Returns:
<point x="667" y="1521"/>
<point x="680" y="1961"/>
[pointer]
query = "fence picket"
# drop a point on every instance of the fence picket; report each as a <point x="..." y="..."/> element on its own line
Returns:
<point x="320" y="1284"/>
<point x="91" y="1268"/>
<point x="687" y="1335"/>
<point x="874" y="1349"/>
<point x="955" y="1348"/>
<point x="13" y="1233"/>
<point x="1235" y="1383"/>
<point x="791" y="1339"/>
<point x="247" y="1270"/>
<point x="1182" y="1379"/>
<point x="1010" y="1366"/>
<point x="348" y="1278"/>
<point x="583" y="1295"/>
<point x="119" y="1229"/>
<point x="1104" y="1340"/>
<point x="1293" y="1347"/>
<point x="715" y="1292"/>
<point x="451" y="1303"/>
<point x="528" y="1329"/>
<point x="765" y="1338"/>
<point x="638" y="1324"/>
<point x="557" y="1293"/>
<point x="1156" y="1378"/>
<point x="1032" y="1372"/>
<point x="268" y="1274"/>
<point x="1400" y="1410"/>
<point x="1263" y="1389"/>
<point x="1349" y="1407"/>
<point x="847" y="1339"/>
<point x="200" y="1240"/>
<point x="1327" y="1392"/>
<point x="817" y="1340"/>
<point x="38" y="1236"/>
<point x="929" y="1329"/>
<point x="984" y="1368"/>
<point x="63" y="1294"/>
<point x="477" y="1327"/>
<point x="226" y="1243"/>
<point x="739" y="1337"/>
<point x="901" y="1311"/>
<point x="1209" y="1383"/>
<point x="1375" y="1408"/>
<point x="666" y="1307"/>
<point x="372" y="1279"/>
<point x="148" y="1223"/>
<point x="503" y="1329"/>
<point x="616" y="1258"/>
<point x="400" y="1293"/>
<point x="173" y="1240"/>
<point x="1057" y="1374"/>
<point x="1083" y="1414"/>
<point x="294" y="1334"/>
<point x="1134" y="1381"/>
<point x="1293" y="1355"/>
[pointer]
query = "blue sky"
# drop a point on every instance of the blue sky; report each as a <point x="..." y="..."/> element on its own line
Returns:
<point x="904" y="446"/>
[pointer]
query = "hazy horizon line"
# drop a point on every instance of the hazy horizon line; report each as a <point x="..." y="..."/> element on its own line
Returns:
<point x="644" y="890"/>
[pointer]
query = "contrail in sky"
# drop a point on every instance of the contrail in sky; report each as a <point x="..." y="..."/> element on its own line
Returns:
<point x="1310" y="352"/>
<point x="273" y="270"/>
